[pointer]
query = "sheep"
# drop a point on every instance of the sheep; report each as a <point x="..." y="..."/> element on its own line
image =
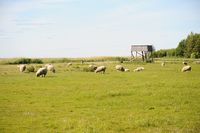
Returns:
<point x="100" y="69"/>
<point x="186" y="68"/>
<point x="92" y="67"/>
<point x="50" y="67"/>
<point x="69" y="64"/>
<point x="47" y="65"/>
<point x="127" y="70"/>
<point x="138" y="69"/>
<point x="185" y="63"/>
<point x="30" y="69"/>
<point x="41" y="72"/>
<point x="197" y="62"/>
<point x="163" y="64"/>
<point x="22" y="67"/>
<point x="119" y="68"/>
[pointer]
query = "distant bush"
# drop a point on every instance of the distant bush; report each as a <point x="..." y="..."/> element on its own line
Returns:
<point x="149" y="61"/>
<point x="26" y="61"/>
<point x="22" y="61"/>
<point x="122" y="59"/>
<point x="36" y="61"/>
<point x="30" y="69"/>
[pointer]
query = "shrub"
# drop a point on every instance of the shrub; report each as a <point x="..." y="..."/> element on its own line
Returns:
<point x="122" y="59"/>
<point x="22" y="61"/>
<point x="26" y="61"/>
<point x="37" y="61"/>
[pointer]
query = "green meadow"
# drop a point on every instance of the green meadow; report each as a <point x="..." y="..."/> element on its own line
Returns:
<point x="156" y="100"/>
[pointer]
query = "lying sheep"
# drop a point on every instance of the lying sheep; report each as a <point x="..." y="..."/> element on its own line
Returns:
<point x="138" y="69"/>
<point x="50" y="67"/>
<point x="41" y="72"/>
<point x="186" y="68"/>
<point x="163" y="64"/>
<point x="100" y="69"/>
<point x="119" y="68"/>
<point x="127" y="70"/>
<point x="197" y="62"/>
<point x="22" y="67"/>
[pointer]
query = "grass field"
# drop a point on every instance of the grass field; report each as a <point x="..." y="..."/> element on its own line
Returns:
<point x="159" y="99"/>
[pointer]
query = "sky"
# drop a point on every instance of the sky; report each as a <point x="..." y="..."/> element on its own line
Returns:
<point x="87" y="28"/>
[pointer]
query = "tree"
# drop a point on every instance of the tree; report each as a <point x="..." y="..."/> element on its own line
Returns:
<point x="171" y="52"/>
<point x="180" y="50"/>
<point x="189" y="47"/>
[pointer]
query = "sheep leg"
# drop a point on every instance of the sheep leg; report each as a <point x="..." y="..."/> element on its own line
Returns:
<point x="103" y="71"/>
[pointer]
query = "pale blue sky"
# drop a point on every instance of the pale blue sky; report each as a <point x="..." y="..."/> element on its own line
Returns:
<point x="80" y="28"/>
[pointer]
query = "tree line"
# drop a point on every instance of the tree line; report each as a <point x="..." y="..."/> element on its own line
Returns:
<point x="188" y="48"/>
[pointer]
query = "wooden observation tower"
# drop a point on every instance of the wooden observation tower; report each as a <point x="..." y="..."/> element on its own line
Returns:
<point x="144" y="51"/>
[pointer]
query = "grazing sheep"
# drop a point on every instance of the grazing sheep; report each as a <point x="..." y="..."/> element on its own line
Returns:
<point x="30" y="69"/>
<point x="41" y="72"/>
<point x="50" y="67"/>
<point x="119" y="68"/>
<point x="186" y="68"/>
<point x="163" y="64"/>
<point x="127" y="70"/>
<point x="92" y="67"/>
<point x="185" y="63"/>
<point x="22" y="67"/>
<point x="100" y="69"/>
<point x="138" y="69"/>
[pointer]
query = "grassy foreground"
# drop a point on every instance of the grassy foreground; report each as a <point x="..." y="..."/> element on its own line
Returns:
<point x="159" y="99"/>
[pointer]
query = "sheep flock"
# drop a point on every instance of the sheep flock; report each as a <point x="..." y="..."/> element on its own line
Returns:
<point x="42" y="71"/>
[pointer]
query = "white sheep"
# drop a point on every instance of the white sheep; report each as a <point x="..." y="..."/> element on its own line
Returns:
<point x="69" y="64"/>
<point x="186" y="68"/>
<point x="127" y="70"/>
<point x="41" y="72"/>
<point x="100" y="69"/>
<point x="22" y="67"/>
<point x="197" y="62"/>
<point x="119" y="68"/>
<point x="138" y="69"/>
<point x="50" y="67"/>
<point x="163" y="64"/>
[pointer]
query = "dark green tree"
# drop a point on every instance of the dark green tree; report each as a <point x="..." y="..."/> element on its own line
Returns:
<point x="192" y="45"/>
<point x="180" y="50"/>
<point x="189" y="47"/>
